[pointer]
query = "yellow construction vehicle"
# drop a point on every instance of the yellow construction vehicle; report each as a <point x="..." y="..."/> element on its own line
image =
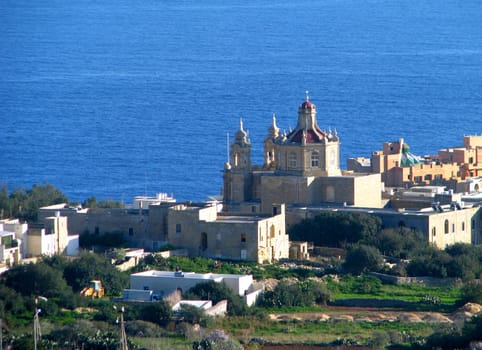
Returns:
<point x="94" y="290"/>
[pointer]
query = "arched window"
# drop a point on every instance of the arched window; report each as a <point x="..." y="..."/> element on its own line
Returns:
<point x="292" y="160"/>
<point x="446" y="226"/>
<point x="236" y="159"/>
<point x="315" y="159"/>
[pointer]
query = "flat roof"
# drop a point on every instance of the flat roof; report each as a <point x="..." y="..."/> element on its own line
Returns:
<point x="6" y="233"/>
<point x="187" y="275"/>
<point x="422" y="212"/>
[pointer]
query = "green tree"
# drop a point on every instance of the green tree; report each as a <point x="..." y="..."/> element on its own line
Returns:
<point x="191" y="313"/>
<point x="5" y="210"/>
<point x="37" y="280"/>
<point x="217" y="292"/>
<point x="336" y="229"/>
<point x="472" y="292"/>
<point x="473" y="328"/>
<point x="92" y="266"/>
<point x="362" y="258"/>
<point x="429" y="261"/>
<point x="25" y="204"/>
<point x="92" y="202"/>
<point x="157" y="312"/>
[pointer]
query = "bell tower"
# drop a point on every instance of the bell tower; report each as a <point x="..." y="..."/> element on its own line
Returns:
<point x="241" y="150"/>
<point x="237" y="173"/>
<point x="269" y="145"/>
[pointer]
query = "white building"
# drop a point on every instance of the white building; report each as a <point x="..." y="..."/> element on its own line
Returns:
<point x="143" y="202"/>
<point x="164" y="283"/>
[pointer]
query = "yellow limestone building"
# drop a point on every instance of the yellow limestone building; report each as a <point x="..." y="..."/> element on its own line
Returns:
<point x="300" y="168"/>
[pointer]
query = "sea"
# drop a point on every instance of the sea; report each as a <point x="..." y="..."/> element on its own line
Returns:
<point x="118" y="98"/>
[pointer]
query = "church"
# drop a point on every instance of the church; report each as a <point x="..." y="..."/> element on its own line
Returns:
<point x="301" y="168"/>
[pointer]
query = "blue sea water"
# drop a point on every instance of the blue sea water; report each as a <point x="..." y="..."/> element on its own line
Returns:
<point x="122" y="98"/>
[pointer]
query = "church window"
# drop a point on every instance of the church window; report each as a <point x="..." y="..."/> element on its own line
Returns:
<point x="236" y="159"/>
<point x="292" y="160"/>
<point x="315" y="159"/>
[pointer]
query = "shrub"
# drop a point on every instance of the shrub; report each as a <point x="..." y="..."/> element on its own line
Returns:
<point x="363" y="258"/>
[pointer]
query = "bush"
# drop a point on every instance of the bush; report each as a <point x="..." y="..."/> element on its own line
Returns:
<point x="217" y="340"/>
<point x="139" y="328"/>
<point x="472" y="292"/>
<point x="305" y="293"/>
<point x="336" y="229"/>
<point x="363" y="258"/>
<point x="217" y="292"/>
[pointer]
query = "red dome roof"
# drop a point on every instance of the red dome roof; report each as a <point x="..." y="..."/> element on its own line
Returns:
<point x="307" y="105"/>
<point x="312" y="136"/>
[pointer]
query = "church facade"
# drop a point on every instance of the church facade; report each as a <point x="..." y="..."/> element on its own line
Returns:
<point x="300" y="168"/>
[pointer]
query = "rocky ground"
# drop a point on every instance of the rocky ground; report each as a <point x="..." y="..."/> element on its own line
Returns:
<point x="364" y="314"/>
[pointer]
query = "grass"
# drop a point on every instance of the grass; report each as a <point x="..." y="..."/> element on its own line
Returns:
<point x="162" y="343"/>
<point x="315" y="332"/>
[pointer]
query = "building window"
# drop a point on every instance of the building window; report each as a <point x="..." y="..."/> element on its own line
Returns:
<point x="260" y="234"/>
<point x="131" y="231"/>
<point x="315" y="159"/>
<point x="453" y="228"/>
<point x="463" y="225"/>
<point x="253" y="209"/>
<point x="446" y="226"/>
<point x="178" y="228"/>
<point x="244" y="254"/>
<point x="417" y="179"/>
<point x="428" y="177"/>
<point x="437" y="177"/>
<point x="292" y="160"/>
<point x="243" y="237"/>
<point x="204" y="241"/>
<point x="96" y="230"/>
<point x="271" y="231"/>
<point x="236" y="159"/>
<point x="471" y="160"/>
<point x="434" y="231"/>
<point x="218" y="236"/>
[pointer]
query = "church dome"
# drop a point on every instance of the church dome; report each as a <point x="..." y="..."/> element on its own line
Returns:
<point x="307" y="105"/>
